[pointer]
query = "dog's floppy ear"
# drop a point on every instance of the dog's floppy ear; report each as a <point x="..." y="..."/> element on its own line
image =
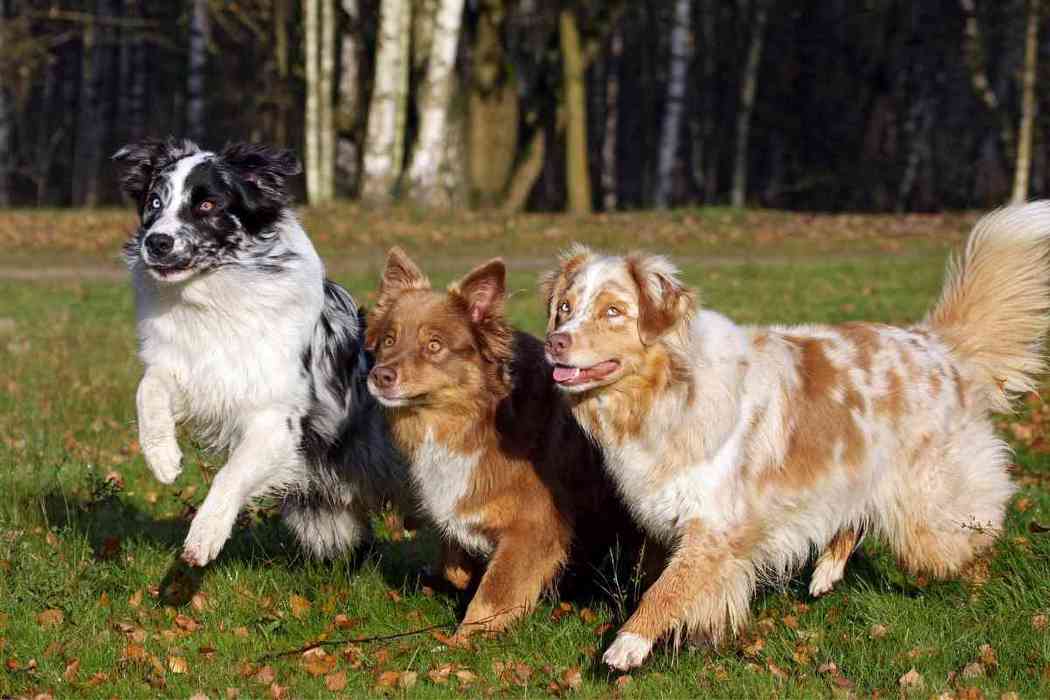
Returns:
<point x="663" y="301"/>
<point x="553" y="282"/>
<point x="142" y="160"/>
<point x="483" y="290"/>
<point x="399" y="275"/>
<point x="261" y="171"/>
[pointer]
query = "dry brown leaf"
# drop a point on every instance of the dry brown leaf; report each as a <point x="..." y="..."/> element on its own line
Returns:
<point x="407" y="679"/>
<point x="1023" y="504"/>
<point x="791" y="622"/>
<point x="394" y="596"/>
<point x="1039" y="622"/>
<point x="878" y="631"/>
<point x="136" y="599"/>
<point x="388" y="679"/>
<point x="206" y="651"/>
<point x="623" y="681"/>
<point x="755" y="648"/>
<point x="440" y="674"/>
<point x="317" y="662"/>
<point x="187" y="623"/>
<point x="988" y="656"/>
<point x="278" y="692"/>
<point x="588" y="616"/>
<point x="97" y="679"/>
<point x="912" y="679"/>
<point x="199" y="601"/>
<point x="240" y="631"/>
<point x="343" y="622"/>
<point x="177" y="664"/>
<point x="602" y="629"/>
<point x="199" y="696"/>
<point x="50" y="618"/>
<point x="134" y="652"/>
<point x="335" y="681"/>
<point x="466" y="677"/>
<point x="233" y="693"/>
<point x="300" y="606"/>
<point x="265" y="675"/>
<point x="72" y="669"/>
<point x="972" y="670"/>
<point x="572" y="678"/>
<point x="776" y="671"/>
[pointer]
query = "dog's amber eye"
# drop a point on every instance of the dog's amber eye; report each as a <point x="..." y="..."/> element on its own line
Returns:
<point x="206" y="206"/>
<point x="612" y="312"/>
<point x="564" y="308"/>
<point x="434" y="346"/>
<point x="388" y="341"/>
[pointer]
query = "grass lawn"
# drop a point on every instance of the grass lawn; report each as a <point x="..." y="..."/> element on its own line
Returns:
<point x="92" y="603"/>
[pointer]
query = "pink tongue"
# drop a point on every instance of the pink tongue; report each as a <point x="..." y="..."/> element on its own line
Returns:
<point x="565" y="374"/>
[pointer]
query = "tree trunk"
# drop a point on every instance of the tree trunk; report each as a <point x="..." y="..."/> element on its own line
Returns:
<point x="424" y="184"/>
<point x="88" y="151"/>
<point x="312" y="118"/>
<point x="200" y="34"/>
<point x="280" y="49"/>
<point x="973" y="53"/>
<point x="348" y="151"/>
<point x="612" y="119"/>
<point x="385" y="137"/>
<point x="6" y="154"/>
<point x="326" y="124"/>
<point x="710" y="147"/>
<point x="577" y="175"/>
<point x="133" y="78"/>
<point x="747" y="103"/>
<point x="493" y="110"/>
<point x="1024" y="141"/>
<point x="681" y="55"/>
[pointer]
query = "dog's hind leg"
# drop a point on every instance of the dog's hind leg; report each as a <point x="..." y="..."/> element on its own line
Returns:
<point x="266" y="459"/>
<point x="831" y="564"/>
<point x="325" y="530"/>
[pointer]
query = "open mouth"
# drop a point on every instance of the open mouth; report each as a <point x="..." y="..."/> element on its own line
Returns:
<point x="167" y="271"/>
<point x="569" y="375"/>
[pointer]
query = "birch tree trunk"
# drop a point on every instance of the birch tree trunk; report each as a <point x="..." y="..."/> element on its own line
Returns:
<point x="348" y="108"/>
<point x="973" y="53"/>
<point x="425" y="184"/>
<point x="385" y="136"/>
<point x="312" y="118"/>
<point x="747" y="102"/>
<point x="612" y="119"/>
<point x="1024" y="140"/>
<point x="200" y="33"/>
<point x="577" y="175"/>
<point x="326" y="123"/>
<point x="677" y="82"/>
<point x="6" y="155"/>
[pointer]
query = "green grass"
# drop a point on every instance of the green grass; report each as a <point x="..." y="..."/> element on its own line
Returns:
<point x="103" y="553"/>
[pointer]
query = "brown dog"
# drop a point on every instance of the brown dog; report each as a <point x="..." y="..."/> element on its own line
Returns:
<point x="499" y="463"/>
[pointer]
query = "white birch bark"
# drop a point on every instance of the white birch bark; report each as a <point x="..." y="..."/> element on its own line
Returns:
<point x="1024" y="138"/>
<point x="200" y="31"/>
<point x="385" y="137"/>
<point x="424" y="175"/>
<point x="677" y="82"/>
<point x="348" y="106"/>
<point x="312" y="118"/>
<point x="747" y="102"/>
<point x="326" y="138"/>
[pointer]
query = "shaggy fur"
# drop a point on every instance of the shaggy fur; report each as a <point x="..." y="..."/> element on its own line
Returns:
<point x="500" y="466"/>
<point x="745" y="449"/>
<point x="242" y="337"/>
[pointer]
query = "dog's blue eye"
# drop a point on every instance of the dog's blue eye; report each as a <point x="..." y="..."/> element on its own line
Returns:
<point x="155" y="203"/>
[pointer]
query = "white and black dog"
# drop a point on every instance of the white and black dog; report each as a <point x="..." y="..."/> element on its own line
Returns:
<point x="244" y="338"/>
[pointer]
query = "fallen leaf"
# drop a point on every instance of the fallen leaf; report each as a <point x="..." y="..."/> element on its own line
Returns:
<point x="199" y="601"/>
<point x="623" y="681"/>
<point x="136" y="599"/>
<point x="878" y="631"/>
<point x="317" y="662"/>
<point x="602" y="629"/>
<point x="387" y="679"/>
<point x="97" y="679"/>
<point x="791" y="622"/>
<point x="187" y="623"/>
<point x="335" y="681"/>
<point x="300" y="606"/>
<point x="177" y="664"/>
<point x="440" y="675"/>
<point x="407" y="679"/>
<point x="394" y="596"/>
<point x="588" y="616"/>
<point x="199" y="696"/>
<point x="343" y="622"/>
<point x="278" y="692"/>
<point x="755" y="648"/>
<point x="1023" y="504"/>
<point x="572" y="677"/>
<point x="912" y="679"/>
<point x="206" y="651"/>
<point x="988" y="656"/>
<point x="72" y="669"/>
<point x="134" y="652"/>
<point x="466" y="677"/>
<point x="240" y="632"/>
<point x="50" y="618"/>
<point x="1040" y="621"/>
<point x="972" y="670"/>
<point x="776" y="671"/>
<point x="233" y="693"/>
<point x="265" y="675"/>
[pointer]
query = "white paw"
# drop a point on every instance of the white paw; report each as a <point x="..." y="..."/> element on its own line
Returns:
<point x="628" y="651"/>
<point x="825" y="576"/>
<point x="208" y="534"/>
<point x="164" y="459"/>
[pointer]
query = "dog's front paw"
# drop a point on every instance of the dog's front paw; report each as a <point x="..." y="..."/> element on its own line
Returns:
<point x="207" y="536"/>
<point x="164" y="459"/>
<point x="627" y="652"/>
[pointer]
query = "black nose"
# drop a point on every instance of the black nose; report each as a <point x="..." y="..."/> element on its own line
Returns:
<point x="159" y="244"/>
<point x="384" y="377"/>
<point x="558" y="343"/>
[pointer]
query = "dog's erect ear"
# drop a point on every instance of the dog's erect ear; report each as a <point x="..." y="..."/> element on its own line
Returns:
<point x="483" y="290"/>
<point x="143" y="159"/>
<point x="553" y="283"/>
<point x="399" y="275"/>
<point x="663" y="301"/>
<point x="262" y="171"/>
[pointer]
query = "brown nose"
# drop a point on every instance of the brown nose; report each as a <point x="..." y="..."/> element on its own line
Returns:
<point x="557" y="343"/>
<point x="384" y="377"/>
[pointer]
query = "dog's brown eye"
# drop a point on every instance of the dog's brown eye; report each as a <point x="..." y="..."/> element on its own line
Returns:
<point x="564" y="308"/>
<point x="388" y="341"/>
<point x="433" y="346"/>
<point x="206" y="206"/>
<point x="612" y="312"/>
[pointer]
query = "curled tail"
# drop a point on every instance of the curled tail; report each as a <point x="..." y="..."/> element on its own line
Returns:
<point x="995" y="307"/>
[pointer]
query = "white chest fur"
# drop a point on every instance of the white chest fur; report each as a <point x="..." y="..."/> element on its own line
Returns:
<point x="443" y="479"/>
